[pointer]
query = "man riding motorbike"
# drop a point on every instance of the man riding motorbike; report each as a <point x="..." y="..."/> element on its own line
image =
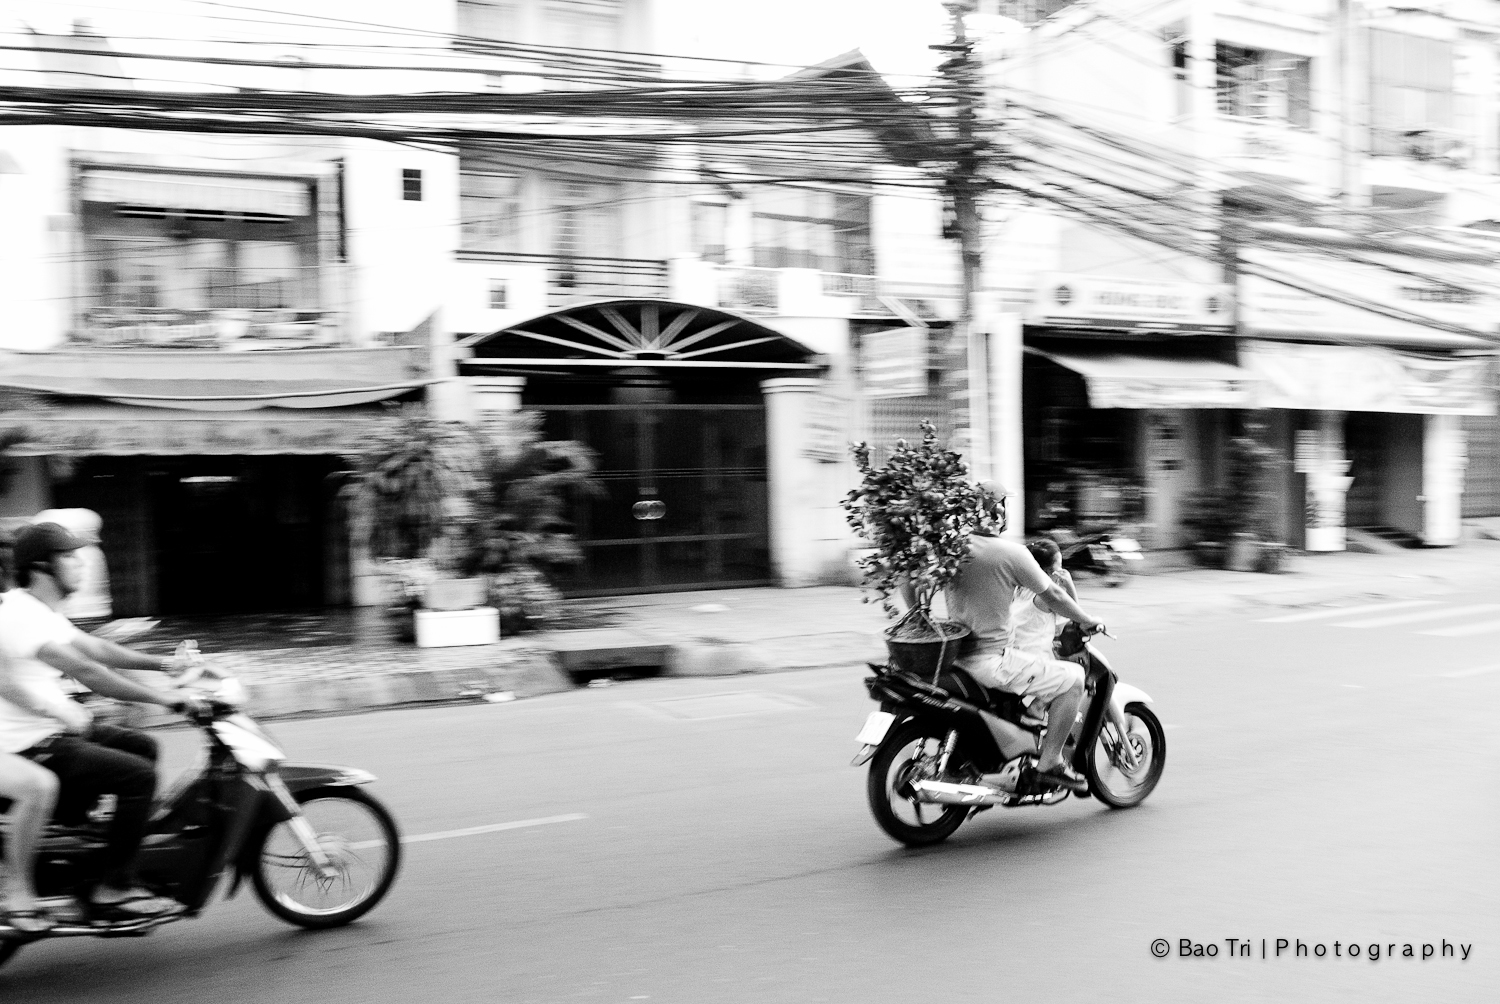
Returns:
<point x="38" y="647"/>
<point x="980" y="598"/>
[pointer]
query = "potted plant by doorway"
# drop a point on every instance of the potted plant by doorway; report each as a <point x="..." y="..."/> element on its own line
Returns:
<point x="916" y="512"/>
<point x="1209" y="520"/>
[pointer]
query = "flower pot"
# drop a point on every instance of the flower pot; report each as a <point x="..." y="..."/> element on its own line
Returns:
<point x="1210" y="553"/>
<point x="1243" y="553"/>
<point x="1271" y="557"/>
<point x="925" y="656"/>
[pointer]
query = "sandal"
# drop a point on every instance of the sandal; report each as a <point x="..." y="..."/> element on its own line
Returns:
<point x="30" y="921"/>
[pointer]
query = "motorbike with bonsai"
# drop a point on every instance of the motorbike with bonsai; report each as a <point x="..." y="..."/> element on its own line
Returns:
<point x="937" y="734"/>
<point x="318" y="849"/>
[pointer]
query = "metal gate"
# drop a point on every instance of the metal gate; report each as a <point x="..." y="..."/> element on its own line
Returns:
<point x="683" y="500"/>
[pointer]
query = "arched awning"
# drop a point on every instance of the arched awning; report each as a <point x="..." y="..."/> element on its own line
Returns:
<point x="662" y="334"/>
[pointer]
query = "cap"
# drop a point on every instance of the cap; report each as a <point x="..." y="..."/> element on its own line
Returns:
<point x="84" y="524"/>
<point x="40" y="541"/>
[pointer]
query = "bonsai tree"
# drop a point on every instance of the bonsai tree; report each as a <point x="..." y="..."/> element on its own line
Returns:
<point x="917" y="511"/>
<point x="1249" y="493"/>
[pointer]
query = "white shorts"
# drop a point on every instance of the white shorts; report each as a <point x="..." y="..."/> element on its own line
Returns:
<point x="1024" y="673"/>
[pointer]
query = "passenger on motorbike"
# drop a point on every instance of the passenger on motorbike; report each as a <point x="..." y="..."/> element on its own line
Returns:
<point x="32" y="792"/>
<point x="1034" y="626"/>
<point x="40" y="646"/>
<point x="980" y="597"/>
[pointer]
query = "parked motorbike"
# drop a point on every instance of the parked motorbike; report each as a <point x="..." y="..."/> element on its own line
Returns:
<point x="931" y="742"/>
<point x="1106" y="554"/>
<point x="319" y="851"/>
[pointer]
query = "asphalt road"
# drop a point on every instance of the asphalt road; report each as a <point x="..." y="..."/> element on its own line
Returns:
<point x="1325" y="784"/>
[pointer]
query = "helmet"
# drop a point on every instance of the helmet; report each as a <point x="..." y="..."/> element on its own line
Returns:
<point x="40" y="541"/>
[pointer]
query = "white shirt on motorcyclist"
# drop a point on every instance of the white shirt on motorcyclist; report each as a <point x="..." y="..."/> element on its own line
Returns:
<point x="27" y="625"/>
<point x="1032" y="629"/>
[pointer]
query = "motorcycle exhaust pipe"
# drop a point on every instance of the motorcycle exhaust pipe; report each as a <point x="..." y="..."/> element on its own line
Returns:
<point x="947" y="793"/>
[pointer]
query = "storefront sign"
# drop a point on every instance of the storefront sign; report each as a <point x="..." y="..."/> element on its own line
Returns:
<point x="1271" y="307"/>
<point x="825" y="436"/>
<point x="1366" y="378"/>
<point x="895" y="363"/>
<point x="1077" y="300"/>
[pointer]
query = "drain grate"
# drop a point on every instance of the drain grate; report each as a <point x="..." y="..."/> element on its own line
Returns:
<point x="731" y="705"/>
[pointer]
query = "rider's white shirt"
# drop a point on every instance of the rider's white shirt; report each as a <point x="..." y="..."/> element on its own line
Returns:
<point x="27" y="624"/>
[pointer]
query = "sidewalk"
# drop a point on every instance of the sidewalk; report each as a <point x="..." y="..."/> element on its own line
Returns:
<point x="354" y="666"/>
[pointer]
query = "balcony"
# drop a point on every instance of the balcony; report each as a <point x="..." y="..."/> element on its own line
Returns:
<point x="579" y="279"/>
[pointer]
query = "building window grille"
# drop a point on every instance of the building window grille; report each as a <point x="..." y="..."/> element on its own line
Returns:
<point x="499" y="290"/>
<point x="710" y="223"/>
<point x="805" y="228"/>
<point x="1411" y="94"/>
<point x="411" y="185"/>
<point x="585" y="219"/>
<point x="489" y="20"/>
<point x="1263" y="84"/>
<point x="490" y="210"/>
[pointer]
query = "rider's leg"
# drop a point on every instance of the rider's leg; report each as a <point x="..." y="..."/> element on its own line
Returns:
<point x="88" y="769"/>
<point x="1062" y="710"/>
<point x="130" y="741"/>
<point x="32" y="791"/>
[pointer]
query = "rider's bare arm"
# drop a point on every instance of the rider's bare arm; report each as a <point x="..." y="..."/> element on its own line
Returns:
<point x="107" y="653"/>
<point x="1057" y="600"/>
<point x="69" y="661"/>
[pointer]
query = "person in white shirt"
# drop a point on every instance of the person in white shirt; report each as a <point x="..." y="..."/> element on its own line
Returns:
<point x="38" y="647"/>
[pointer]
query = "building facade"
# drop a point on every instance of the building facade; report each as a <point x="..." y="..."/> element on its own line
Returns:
<point x="206" y="325"/>
<point x="1339" y="165"/>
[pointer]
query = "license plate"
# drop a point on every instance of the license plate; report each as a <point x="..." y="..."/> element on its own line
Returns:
<point x="876" y="726"/>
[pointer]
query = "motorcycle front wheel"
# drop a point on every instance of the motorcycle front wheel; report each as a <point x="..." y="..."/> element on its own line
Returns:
<point x="905" y="756"/>
<point x="1109" y="781"/>
<point x="360" y="838"/>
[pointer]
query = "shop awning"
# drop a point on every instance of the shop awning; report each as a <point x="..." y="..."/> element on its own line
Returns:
<point x="221" y="381"/>
<point x="84" y="430"/>
<point x="217" y="193"/>
<point x="1124" y="380"/>
<point x="1368" y="378"/>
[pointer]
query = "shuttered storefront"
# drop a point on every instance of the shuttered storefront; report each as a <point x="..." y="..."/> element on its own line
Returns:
<point x="1482" y="479"/>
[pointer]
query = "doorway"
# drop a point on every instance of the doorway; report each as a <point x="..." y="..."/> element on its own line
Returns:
<point x="683" y="498"/>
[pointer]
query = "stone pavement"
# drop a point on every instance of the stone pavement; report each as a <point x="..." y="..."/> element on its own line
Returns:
<point x="725" y="632"/>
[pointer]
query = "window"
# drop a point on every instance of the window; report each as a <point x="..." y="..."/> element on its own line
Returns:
<point x="710" y="221"/>
<point x="490" y="211"/>
<point x="583" y="24"/>
<point x="802" y="228"/>
<point x="499" y="294"/>
<point x="160" y="273"/>
<point x="411" y="184"/>
<point x="491" y="20"/>
<point x="1263" y="84"/>
<point x="1182" y="74"/>
<point x="585" y="219"/>
<point x="1411" y="92"/>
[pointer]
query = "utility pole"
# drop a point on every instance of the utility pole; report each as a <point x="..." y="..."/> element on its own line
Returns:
<point x="962" y="186"/>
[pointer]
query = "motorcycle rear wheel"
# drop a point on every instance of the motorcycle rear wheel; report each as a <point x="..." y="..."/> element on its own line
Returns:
<point x="915" y="824"/>
<point x="290" y="887"/>
<point x="1112" y="785"/>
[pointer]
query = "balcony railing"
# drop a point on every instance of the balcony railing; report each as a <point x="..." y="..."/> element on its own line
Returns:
<point x="573" y="279"/>
<point x="230" y="328"/>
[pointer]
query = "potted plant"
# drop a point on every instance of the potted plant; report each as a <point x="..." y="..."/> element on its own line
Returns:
<point x="1251" y="465"/>
<point x="1208" y="517"/>
<point x="916" y="512"/>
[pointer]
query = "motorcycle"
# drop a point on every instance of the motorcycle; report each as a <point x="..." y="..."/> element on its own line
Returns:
<point x="318" y="850"/>
<point x="1106" y="554"/>
<point x="930" y="744"/>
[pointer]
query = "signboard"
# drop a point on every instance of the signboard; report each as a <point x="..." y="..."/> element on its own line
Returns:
<point x="1366" y="378"/>
<point x="1077" y="300"/>
<point x="895" y="363"/>
<point x="1270" y="307"/>
<point x="825" y="437"/>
